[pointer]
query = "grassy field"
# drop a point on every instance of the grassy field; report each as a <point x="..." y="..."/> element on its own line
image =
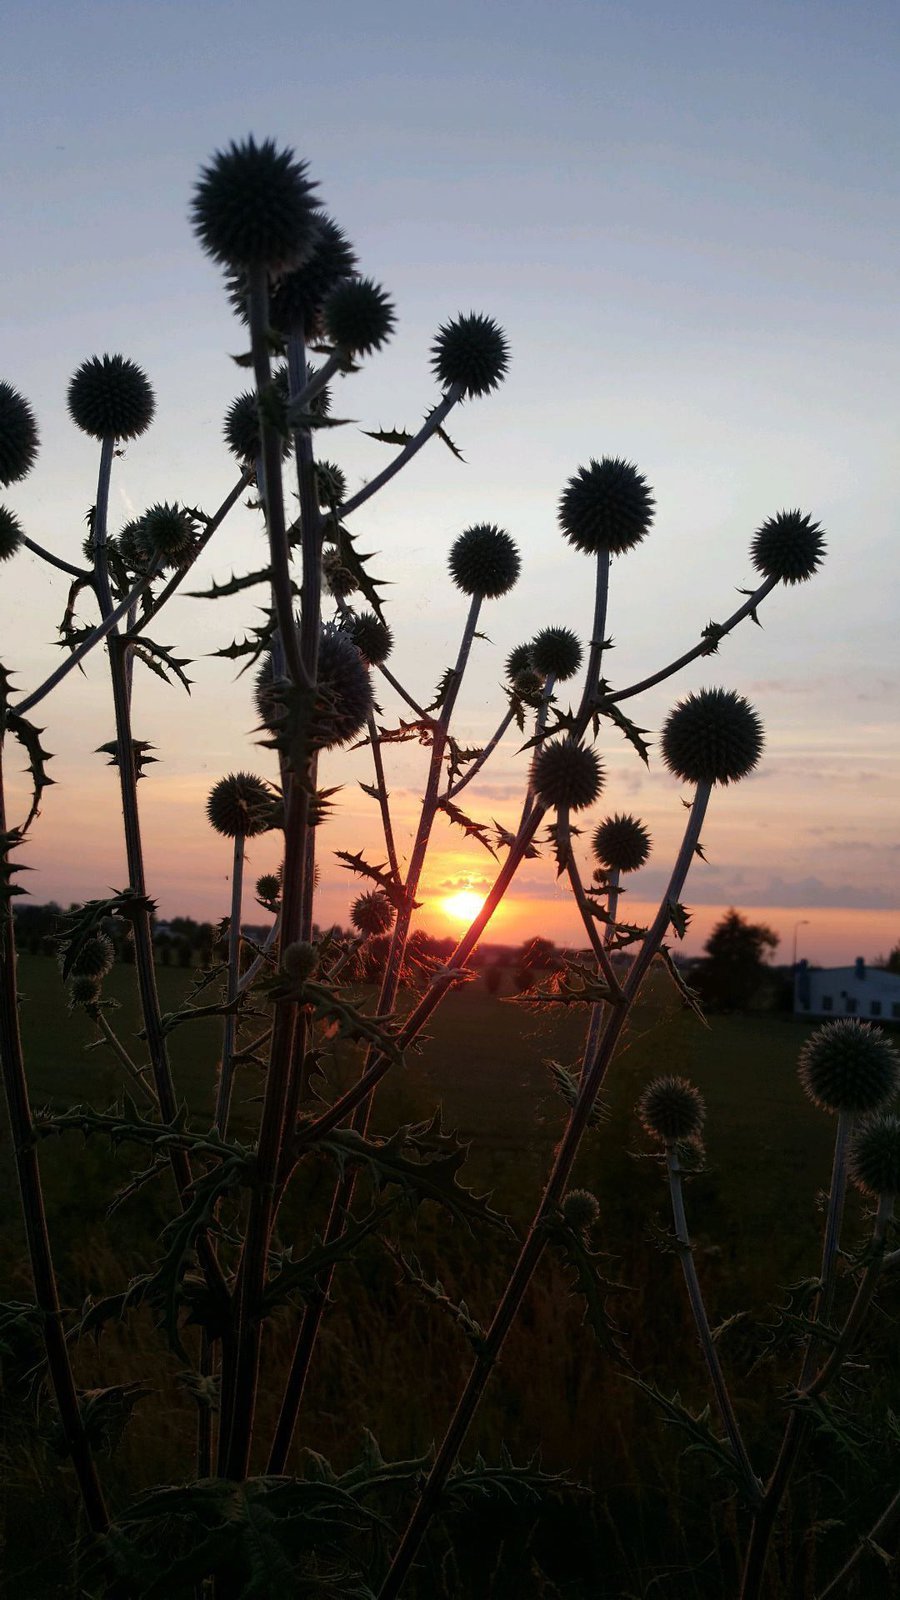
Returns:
<point x="658" y="1523"/>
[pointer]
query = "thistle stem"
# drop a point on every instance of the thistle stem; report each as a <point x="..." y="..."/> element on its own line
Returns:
<point x="383" y="798"/>
<point x="178" y="577"/>
<point x="701" y="649"/>
<point x="454" y="789"/>
<point x="83" y="573"/>
<point x="430" y="426"/>
<point x="226" y="1072"/>
<point x="134" y="1072"/>
<point x="704" y="1332"/>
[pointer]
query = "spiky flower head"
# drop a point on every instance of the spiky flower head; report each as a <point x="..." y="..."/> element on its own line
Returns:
<point x="111" y="398"/>
<point x="849" y="1066"/>
<point x="253" y="207"/>
<point x="300" y="959"/>
<point x="358" y="316"/>
<point x="608" y="505"/>
<point x="874" y="1162"/>
<point x="528" y="685"/>
<point x="240" y="805"/>
<point x="372" y="637"/>
<point x="621" y="842"/>
<point x="567" y="775"/>
<point x="372" y="913"/>
<point x="519" y="660"/>
<point x="343" y="692"/>
<point x="789" y="547"/>
<point x="243" y="434"/>
<point x="18" y="435"/>
<point x="84" y="990"/>
<point x="471" y="351"/>
<point x="130" y="545"/>
<point x="297" y="298"/>
<point x="671" y="1109"/>
<point x="338" y="579"/>
<point x="714" y="736"/>
<point x="556" y="652"/>
<point x="484" y="561"/>
<point x="268" y="888"/>
<point x="11" y="534"/>
<point x="331" y="485"/>
<point x="580" y="1209"/>
<point x="95" y="958"/>
<point x="168" y="534"/>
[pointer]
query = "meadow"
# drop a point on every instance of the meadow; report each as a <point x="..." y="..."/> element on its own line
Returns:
<point x="637" y="1515"/>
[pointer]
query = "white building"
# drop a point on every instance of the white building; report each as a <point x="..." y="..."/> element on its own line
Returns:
<point x="869" y="993"/>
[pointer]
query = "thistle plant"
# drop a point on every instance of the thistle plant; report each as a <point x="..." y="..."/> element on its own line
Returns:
<point x="226" y="1277"/>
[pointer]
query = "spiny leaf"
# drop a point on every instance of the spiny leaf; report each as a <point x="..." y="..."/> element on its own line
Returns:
<point x="519" y="1486"/>
<point x="688" y="995"/>
<point x="140" y="752"/>
<point x="472" y="829"/>
<point x="434" y="1291"/>
<point x="679" y="917"/>
<point x="594" y="1288"/>
<point x="699" y="1434"/>
<point x="630" y="729"/>
<point x="382" y="875"/>
<point x="219" y="591"/>
<point x="307" y="1273"/>
<point x="29" y="738"/>
<point x="388" y="435"/>
<point x="355" y="562"/>
<point x="158" y="657"/>
<point x="568" y="1085"/>
<point x="77" y="926"/>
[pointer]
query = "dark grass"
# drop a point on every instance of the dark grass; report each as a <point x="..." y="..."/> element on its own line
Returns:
<point x="657" y="1522"/>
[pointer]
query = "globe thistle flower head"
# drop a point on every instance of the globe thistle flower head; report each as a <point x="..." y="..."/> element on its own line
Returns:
<point x="849" y="1066"/>
<point x="11" y="534"/>
<point x="240" y="804"/>
<point x="130" y="545"/>
<point x="254" y="206"/>
<point x="471" y="352"/>
<point x="300" y="959"/>
<point x="372" y="913"/>
<point x="556" y="652"/>
<point x="343" y="691"/>
<point x="372" y="637"/>
<point x="358" y="316"/>
<point x="789" y="547"/>
<point x="671" y="1110"/>
<point x="331" y="485"/>
<point x="874" y="1162"/>
<point x="484" y="561"/>
<point x="95" y="958"/>
<point x="84" y="990"/>
<point x="580" y="1209"/>
<point x="714" y="736"/>
<point x="297" y="298"/>
<point x="528" y="685"/>
<point x="18" y="435"/>
<point x="111" y="398"/>
<point x="566" y="775"/>
<point x="268" y="888"/>
<point x="607" y="505"/>
<point x="519" y="660"/>
<point x="621" y="843"/>
<point x="168" y="534"/>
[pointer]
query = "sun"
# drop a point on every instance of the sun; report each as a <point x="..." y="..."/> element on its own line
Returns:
<point x="463" y="906"/>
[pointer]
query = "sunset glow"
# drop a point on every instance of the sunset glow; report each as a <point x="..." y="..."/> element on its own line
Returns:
<point x="463" y="906"/>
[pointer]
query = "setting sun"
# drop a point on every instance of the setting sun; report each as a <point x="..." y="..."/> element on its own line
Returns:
<point x="464" y="905"/>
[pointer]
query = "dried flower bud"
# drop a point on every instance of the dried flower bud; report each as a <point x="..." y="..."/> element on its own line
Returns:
<point x="874" y="1162"/>
<point x="372" y="637"/>
<point x="671" y="1109"/>
<point x="712" y="737"/>
<point x="580" y="1209"/>
<point x="484" y="561"/>
<point x="359" y="317"/>
<point x="18" y="435"/>
<point x="338" y="579"/>
<point x="268" y="888"/>
<point x="84" y="990"/>
<point x="556" y="652"/>
<point x="95" y="958"/>
<point x="240" y="805"/>
<point x="372" y="913"/>
<point x="130" y="544"/>
<point x="622" y="843"/>
<point x="471" y="351"/>
<point x="528" y="685"/>
<point x="606" y="506"/>
<point x="300" y="960"/>
<point x="331" y="485"/>
<point x="111" y="398"/>
<point x="253" y="207"/>
<point x="849" y="1066"/>
<point x="789" y="547"/>
<point x="11" y="534"/>
<point x="566" y="775"/>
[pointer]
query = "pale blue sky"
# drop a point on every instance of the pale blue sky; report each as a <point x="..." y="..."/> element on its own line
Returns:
<point x="686" y="217"/>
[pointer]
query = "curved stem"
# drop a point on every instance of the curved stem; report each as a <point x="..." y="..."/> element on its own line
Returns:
<point x="134" y="1072"/>
<point x="886" y="1524"/>
<point x="454" y="789"/>
<point x="178" y="577"/>
<point x="95" y="637"/>
<point x="701" y="649"/>
<point x="861" y="1302"/>
<point x="84" y="573"/>
<point x="383" y="797"/>
<point x="540" y="723"/>
<point x="430" y="425"/>
<point x="590" y="925"/>
<point x="704" y="1332"/>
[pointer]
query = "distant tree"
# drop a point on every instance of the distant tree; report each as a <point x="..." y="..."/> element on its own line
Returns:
<point x="891" y="963"/>
<point x="736" y="952"/>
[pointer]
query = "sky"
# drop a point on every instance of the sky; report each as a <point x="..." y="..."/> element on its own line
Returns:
<point x="686" y="219"/>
